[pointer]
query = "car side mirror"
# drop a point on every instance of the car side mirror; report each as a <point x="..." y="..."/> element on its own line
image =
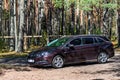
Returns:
<point x="71" y="46"/>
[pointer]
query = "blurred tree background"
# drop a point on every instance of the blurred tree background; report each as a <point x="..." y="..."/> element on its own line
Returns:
<point x="26" y="23"/>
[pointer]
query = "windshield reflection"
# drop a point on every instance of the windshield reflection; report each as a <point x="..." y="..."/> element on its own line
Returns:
<point x="58" y="42"/>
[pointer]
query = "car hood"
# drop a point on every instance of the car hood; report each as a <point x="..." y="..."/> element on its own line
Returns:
<point x="44" y="49"/>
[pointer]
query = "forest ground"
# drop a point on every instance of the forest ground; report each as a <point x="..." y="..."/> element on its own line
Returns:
<point x="83" y="71"/>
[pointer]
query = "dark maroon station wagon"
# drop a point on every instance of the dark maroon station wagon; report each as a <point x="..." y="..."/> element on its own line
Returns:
<point x="73" y="49"/>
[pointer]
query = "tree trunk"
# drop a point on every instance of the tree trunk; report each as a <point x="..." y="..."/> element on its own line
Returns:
<point x="72" y="19"/>
<point x="81" y="22"/>
<point x="89" y="23"/>
<point x="40" y="14"/>
<point x="21" y="13"/>
<point x="62" y="23"/>
<point x="12" y="24"/>
<point x="36" y="17"/>
<point x="106" y="20"/>
<point x="47" y="25"/>
<point x="26" y="26"/>
<point x="0" y="17"/>
<point x="15" y="26"/>
<point x="118" y="24"/>
<point x="110" y="24"/>
<point x="6" y="5"/>
<point x="77" y="19"/>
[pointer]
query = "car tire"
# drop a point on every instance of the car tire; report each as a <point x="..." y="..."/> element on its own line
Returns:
<point x="103" y="57"/>
<point x="58" y="61"/>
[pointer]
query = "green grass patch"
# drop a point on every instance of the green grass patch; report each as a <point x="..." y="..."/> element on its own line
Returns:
<point x="13" y="55"/>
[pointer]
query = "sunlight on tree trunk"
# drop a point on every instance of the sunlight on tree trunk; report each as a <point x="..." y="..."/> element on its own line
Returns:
<point x="12" y="24"/>
<point x="20" y="38"/>
<point x="15" y="25"/>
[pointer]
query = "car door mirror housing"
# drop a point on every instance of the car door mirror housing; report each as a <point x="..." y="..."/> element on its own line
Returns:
<point x="71" y="46"/>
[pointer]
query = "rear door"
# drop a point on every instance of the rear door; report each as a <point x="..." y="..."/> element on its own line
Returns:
<point x="88" y="48"/>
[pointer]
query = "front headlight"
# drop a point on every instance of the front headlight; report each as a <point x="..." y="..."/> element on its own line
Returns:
<point x="45" y="54"/>
<point x="38" y="55"/>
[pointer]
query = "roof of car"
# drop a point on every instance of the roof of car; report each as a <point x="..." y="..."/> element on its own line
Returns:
<point x="73" y="36"/>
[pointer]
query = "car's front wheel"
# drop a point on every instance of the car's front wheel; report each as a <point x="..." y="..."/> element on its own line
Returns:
<point x="58" y="61"/>
<point x="103" y="57"/>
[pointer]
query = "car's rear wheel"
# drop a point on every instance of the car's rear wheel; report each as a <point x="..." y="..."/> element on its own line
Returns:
<point x="58" y="61"/>
<point x="103" y="57"/>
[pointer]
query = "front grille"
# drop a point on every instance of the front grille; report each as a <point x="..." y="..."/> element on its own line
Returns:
<point x="32" y="56"/>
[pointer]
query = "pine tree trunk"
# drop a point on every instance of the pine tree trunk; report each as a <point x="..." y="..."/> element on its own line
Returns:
<point x="118" y="24"/>
<point x="62" y="23"/>
<point x="106" y="20"/>
<point x="15" y="26"/>
<point x="26" y="26"/>
<point x="0" y="17"/>
<point x="89" y="23"/>
<point x="12" y="24"/>
<point x="21" y="13"/>
<point x="72" y="19"/>
<point x="77" y="19"/>
<point x="36" y="17"/>
<point x="47" y="25"/>
<point x="40" y="14"/>
<point x="81" y="22"/>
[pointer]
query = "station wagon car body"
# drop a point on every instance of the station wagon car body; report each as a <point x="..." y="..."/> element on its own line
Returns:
<point x="72" y="49"/>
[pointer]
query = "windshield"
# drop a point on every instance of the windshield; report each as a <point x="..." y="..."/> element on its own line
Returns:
<point x="58" y="42"/>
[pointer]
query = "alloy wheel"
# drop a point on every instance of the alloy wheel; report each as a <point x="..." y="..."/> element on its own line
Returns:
<point x="58" y="62"/>
<point x="103" y="57"/>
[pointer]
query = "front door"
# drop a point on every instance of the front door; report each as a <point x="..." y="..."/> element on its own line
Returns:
<point x="72" y="52"/>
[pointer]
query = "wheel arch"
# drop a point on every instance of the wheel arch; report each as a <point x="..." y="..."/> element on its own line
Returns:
<point x="103" y="49"/>
<point x="60" y="55"/>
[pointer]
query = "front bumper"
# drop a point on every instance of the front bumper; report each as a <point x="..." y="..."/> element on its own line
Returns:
<point x="40" y="62"/>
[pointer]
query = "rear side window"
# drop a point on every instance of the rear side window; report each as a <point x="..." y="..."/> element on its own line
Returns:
<point x="76" y="41"/>
<point x="106" y="39"/>
<point x="100" y="40"/>
<point x="87" y="40"/>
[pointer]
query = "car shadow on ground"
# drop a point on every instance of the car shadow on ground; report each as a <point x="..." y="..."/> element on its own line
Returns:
<point x="71" y="65"/>
<point x="85" y="64"/>
<point x="114" y="63"/>
<point x="115" y="67"/>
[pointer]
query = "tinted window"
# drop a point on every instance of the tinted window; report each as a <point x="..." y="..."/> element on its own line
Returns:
<point x="100" y="40"/>
<point x="76" y="41"/>
<point x="106" y="39"/>
<point x="87" y="40"/>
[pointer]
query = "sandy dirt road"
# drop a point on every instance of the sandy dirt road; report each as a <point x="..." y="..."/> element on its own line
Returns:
<point x="83" y="71"/>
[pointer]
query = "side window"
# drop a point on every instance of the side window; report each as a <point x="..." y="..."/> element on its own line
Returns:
<point x="106" y="39"/>
<point x="100" y="40"/>
<point x="87" y="40"/>
<point x="95" y="40"/>
<point x="76" y="41"/>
